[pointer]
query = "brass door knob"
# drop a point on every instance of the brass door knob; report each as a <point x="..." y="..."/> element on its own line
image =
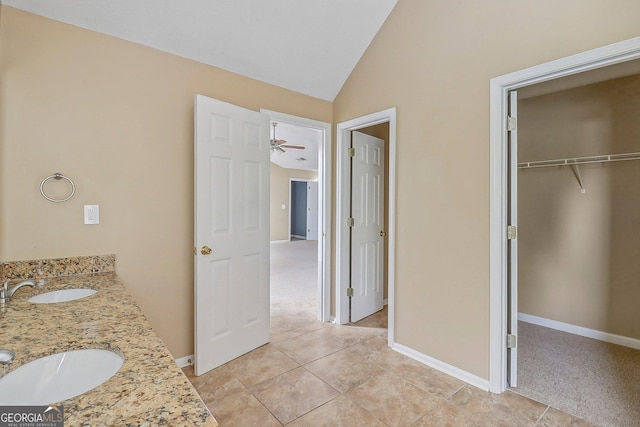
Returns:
<point x="206" y="250"/>
<point x="383" y="234"/>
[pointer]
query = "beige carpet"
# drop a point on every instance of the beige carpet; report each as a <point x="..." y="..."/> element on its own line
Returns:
<point x="294" y="284"/>
<point x="593" y="380"/>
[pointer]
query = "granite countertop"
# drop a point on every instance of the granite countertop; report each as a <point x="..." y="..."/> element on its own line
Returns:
<point x="149" y="389"/>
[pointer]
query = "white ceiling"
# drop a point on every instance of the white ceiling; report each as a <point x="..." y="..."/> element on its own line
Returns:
<point x="297" y="135"/>
<point x="309" y="46"/>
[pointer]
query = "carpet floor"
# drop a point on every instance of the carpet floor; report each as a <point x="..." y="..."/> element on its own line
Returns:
<point x="590" y="379"/>
<point x="294" y="284"/>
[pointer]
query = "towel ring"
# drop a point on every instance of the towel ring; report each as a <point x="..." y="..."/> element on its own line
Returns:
<point x="57" y="176"/>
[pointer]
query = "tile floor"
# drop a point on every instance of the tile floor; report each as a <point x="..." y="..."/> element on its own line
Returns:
<point x="321" y="374"/>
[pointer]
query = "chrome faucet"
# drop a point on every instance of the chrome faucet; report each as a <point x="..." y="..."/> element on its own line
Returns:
<point x="7" y="292"/>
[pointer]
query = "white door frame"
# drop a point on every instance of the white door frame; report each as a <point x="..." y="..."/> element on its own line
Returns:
<point x="324" y="206"/>
<point x="342" y="212"/>
<point x="500" y="86"/>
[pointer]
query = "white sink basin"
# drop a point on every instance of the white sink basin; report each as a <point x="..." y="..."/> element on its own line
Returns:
<point x="62" y="295"/>
<point x="58" y="377"/>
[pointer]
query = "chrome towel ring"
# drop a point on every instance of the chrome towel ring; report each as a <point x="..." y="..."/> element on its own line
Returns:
<point x="57" y="176"/>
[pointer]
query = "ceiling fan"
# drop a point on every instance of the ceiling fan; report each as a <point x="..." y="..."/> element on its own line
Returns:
<point x="279" y="145"/>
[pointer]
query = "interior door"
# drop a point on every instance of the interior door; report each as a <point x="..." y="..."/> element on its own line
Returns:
<point x="367" y="233"/>
<point x="231" y="232"/>
<point x="312" y="210"/>
<point x="512" y="242"/>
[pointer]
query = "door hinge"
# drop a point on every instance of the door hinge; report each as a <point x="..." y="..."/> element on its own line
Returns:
<point x="349" y="292"/>
<point x="512" y="123"/>
<point x="511" y="341"/>
<point x="195" y="250"/>
<point x="350" y="222"/>
<point x="512" y="232"/>
<point x="351" y="152"/>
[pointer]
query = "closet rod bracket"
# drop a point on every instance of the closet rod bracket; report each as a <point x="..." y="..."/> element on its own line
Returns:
<point x="576" y="172"/>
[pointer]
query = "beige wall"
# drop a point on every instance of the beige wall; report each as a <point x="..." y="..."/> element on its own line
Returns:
<point x="433" y="61"/>
<point x="118" y="119"/>
<point x="579" y="253"/>
<point x="280" y="196"/>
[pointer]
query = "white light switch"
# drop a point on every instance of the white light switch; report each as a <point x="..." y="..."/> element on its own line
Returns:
<point x="283" y="206"/>
<point x="92" y="214"/>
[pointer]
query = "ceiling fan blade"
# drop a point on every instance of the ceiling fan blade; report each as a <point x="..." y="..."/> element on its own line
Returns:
<point x="280" y="148"/>
<point x="297" y="147"/>
<point x="280" y="141"/>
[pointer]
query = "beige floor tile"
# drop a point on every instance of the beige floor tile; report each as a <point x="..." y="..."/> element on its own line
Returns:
<point x="286" y="335"/>
<point x="376" y="320"/>
<point x="555" y="418"/>
<point x="340" y="412"/>
<point x="292" y="394"/>
<point x="212" y="392"/>
<point x="429" y="379"/>
<point x="507" y="407"/>
<point x="376" y="351"/>
<point x="260" y="364"/>
<point x="309" y="347"/>
<point x="241" y="409"/>
<point x="447" y="415"/>
<point x="343" y="370"/>
<point x="348" y="335"/>
<point x="286" y="321"/>
<point x="213" y="379"/>
<point x="393" y="400"/>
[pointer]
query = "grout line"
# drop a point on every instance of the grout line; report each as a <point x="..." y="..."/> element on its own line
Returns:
<point x="542" y="416"/>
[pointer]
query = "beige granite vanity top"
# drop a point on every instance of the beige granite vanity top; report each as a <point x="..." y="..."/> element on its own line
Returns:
<point x="149" y="389"/>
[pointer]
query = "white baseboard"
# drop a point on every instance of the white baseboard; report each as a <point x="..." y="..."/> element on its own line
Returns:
<point x="280" y="241"/>
<point x="185" y="361"/>
<point x="579" y="330"/>
<point x="385" y="302"/>
<point x="458" y="373"/>
<point x="299" y="237"/>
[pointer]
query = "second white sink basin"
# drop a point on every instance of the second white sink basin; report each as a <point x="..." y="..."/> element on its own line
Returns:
<point x="62" y="295"/>
<point x="58" y="377"/>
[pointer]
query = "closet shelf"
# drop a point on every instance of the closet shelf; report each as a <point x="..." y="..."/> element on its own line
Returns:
<point x="605" y="158"/>
<point x="577" y="161"/>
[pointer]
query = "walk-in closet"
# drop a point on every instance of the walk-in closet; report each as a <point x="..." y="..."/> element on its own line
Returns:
<point x="579" y="248"/>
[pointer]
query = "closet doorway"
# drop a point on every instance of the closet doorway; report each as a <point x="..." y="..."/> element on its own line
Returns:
<point x="574" y="177"/>
<point x="578" y="227"/>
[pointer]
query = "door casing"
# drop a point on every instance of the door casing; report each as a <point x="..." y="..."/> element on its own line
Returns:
<point x="616" y="53"/>
<point x="342" y="212"/>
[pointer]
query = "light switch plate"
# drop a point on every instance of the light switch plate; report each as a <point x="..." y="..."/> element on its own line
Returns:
<point x="92" y="214"/>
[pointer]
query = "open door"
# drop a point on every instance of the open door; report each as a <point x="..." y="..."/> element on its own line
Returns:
<point x="231" y="232"/>
<point x="367" y="232"/>
<point x="512" y="263"/>
<point x="312" y="210"/>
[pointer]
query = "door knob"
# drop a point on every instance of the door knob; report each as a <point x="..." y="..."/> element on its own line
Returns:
<point x="206" y="250"/>
<point x="383" y="234"/>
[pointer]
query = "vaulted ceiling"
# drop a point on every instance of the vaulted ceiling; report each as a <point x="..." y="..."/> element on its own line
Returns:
<point x="308" y="46"/>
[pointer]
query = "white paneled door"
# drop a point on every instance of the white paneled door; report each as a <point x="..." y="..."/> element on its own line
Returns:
<point x="367" y="233"/>
<point x="231" y="232"/>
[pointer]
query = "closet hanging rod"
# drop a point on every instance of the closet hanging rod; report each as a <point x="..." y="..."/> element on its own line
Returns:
<point x="605" y="158"/>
